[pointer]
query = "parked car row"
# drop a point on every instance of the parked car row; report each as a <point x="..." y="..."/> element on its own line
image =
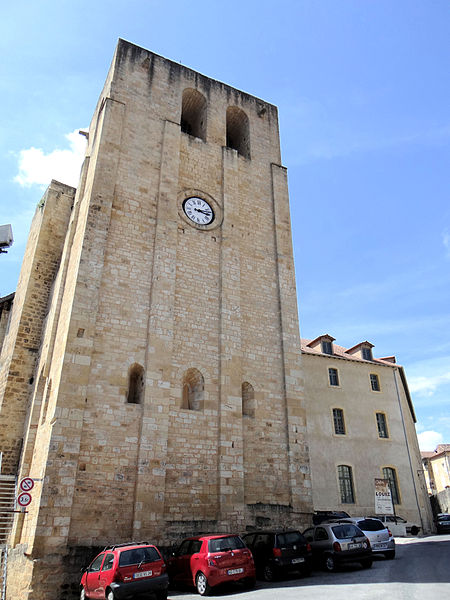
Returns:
<point x="206" y="561"/>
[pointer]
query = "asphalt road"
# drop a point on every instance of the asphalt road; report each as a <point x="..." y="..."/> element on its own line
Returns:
<point x="420" y="571"/>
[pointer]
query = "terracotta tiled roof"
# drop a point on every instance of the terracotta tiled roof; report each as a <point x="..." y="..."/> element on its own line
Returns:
<point x="443" y="448"/>
<point x="341" y="352"/>
<point x="440" y="450"/>
<point x="427" y="454"/>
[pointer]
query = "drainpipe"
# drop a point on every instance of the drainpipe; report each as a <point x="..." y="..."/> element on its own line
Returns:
<point x="407" y="448"/>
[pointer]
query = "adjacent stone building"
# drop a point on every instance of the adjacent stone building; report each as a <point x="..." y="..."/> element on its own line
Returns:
<point x="437" y="468"/>
<point x="151" y="379"/>
<point x="361" y="428"/>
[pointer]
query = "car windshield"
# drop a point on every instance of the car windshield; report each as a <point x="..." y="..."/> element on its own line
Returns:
<point x="138" y="555"/>
<point x="371" y="525"/>
<point x="232" y="542"/>
<point x="444" y="518"/>
<point x="346" y="531"/>
<point x="290" y="538"/>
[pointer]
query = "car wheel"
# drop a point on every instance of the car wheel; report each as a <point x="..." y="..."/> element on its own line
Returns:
<point x="110" y="595"/>
<point x="268" y="573"/>
<point x="414" y="530"/>
<point x="390" y="555"/>
<point x="83" y="595"/>
<point x="201" y="582"/>
<point x="366" y="564"/>
<point x="330" y="563"/>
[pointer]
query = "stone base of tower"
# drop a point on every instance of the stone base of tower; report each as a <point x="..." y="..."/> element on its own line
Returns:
<point x="57" y="576"/>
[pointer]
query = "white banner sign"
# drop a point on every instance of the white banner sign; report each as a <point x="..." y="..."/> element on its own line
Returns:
<point x="383" y="498"/>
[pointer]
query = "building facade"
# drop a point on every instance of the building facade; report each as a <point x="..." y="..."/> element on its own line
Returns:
<point x="437" y="468"/>
<point x="361" y="428"/>
<point x="151" y="378"/>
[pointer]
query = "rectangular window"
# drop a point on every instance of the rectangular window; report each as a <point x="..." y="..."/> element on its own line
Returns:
<point x="346" y="484"/>
<point x="374" y="382"/>
<point x="391" y="476"/>
<point x="367" y="353"/>
<point x="382" y="425"/>
<point x="333" y="376"/>
<point x="338" y="419"/>
<point x="327" y="347"/>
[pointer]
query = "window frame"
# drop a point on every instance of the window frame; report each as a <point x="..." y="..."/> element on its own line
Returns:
<point x="325" y="346"/>
<point x="384" y="426"/>
<point x="339" y="421"/>
<point x="346" y="484"/>
<point x="366" y="353"/>
<point x="393" y="483"/>
<point x="374" y="377"/>
<point x="336" y="373"/>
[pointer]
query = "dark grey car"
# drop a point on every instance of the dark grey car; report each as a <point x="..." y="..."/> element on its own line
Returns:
<point x="335" y="544"/>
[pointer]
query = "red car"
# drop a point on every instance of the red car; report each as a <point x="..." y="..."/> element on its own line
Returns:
<point x="125" y="571"/>
<point x="209" y="560"/>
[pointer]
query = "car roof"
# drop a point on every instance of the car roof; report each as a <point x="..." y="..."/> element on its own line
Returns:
<point x="126" y="546"/>
<point x="274" y="531"/>
<point x="210" y="536"/>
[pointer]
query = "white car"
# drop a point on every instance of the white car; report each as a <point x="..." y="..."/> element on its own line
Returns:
<point x="398" y="525"/>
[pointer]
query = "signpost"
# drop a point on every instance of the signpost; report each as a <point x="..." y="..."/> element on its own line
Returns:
<point x="383" y="498"/>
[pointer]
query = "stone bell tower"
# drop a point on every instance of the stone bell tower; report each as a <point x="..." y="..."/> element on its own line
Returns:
<point x="168" y="394"/>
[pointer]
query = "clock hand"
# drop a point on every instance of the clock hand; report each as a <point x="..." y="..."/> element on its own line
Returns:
<point x="205" y="212"/>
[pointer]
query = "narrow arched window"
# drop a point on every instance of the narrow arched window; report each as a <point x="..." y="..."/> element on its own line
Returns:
<point x="248" y="400"/>
<point x="135" y="384"/>
<point x="193" y="113"/>
<point x="345" y="477"/>
<point x="193" y="390"/>
<point x="238" y="131"/>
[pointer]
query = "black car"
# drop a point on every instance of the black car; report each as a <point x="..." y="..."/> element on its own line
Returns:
<point x="278" y="552"/>
<point x="320" y="516"/>
<point x="443" y="523"/>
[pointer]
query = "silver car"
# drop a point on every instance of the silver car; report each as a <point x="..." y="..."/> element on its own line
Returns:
<point x="381" y="539"/>
<point x="335" y="544"/>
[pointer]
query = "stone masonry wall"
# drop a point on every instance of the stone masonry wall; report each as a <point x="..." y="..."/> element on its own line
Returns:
<point x="22" y="343"/>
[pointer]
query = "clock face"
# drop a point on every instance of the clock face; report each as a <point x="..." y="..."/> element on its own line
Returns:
<point x="198" y="211"/>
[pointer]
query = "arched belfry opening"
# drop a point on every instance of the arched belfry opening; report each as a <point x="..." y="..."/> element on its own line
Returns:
<point x="193" y="113"/>
<point x="135" y="392"/>
<point x="248" y="400"/>
<point x="238" y="131"/>
<point x="193" y="390"/>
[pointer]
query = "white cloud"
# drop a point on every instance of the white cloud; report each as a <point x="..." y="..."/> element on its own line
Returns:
<point x="426" y="386"/>
<point x="428" y="440"/>
<point x="36" y="167"/>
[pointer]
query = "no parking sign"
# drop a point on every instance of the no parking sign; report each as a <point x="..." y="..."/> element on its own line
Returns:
<point x="26" y="484"/>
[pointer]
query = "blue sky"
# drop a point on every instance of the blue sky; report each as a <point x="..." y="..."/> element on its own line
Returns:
<point x="362" y="88"/>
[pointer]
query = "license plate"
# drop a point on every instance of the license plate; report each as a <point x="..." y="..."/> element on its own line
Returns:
<point x="354" y="546"/>
<point x="142" y="574"/>
<point x="297" y="560"/>
<point x="380" y="546"/>
<point x="234" y="571"/>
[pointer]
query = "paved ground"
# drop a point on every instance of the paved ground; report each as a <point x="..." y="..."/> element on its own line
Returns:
<point x="420" y="571"/>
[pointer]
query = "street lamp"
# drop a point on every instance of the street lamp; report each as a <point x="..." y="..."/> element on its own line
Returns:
<point x="6" y="238"/>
